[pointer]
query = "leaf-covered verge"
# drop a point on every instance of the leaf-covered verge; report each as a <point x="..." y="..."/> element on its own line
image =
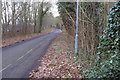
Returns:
<point x="17" y="39"/>
<point x="107" y="63"/>
<point x="56" y="63"/>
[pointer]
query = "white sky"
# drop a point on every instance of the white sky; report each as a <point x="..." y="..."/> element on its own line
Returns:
<point x="54" y="8"/>
<point x="63" y="0"/>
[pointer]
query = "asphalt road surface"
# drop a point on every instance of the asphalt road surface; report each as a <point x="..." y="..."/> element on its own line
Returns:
<point x="20" y="59"/>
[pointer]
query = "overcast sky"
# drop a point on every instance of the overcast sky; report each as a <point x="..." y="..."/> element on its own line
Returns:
<point x="54" y="8"/>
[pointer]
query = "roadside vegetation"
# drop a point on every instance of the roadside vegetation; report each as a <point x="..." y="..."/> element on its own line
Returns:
<point x="24" y="20"/>
<point x="20" y="38"/>
<point x="99" y="37"/>
<point x="99" y="43"/>
<point x="58" y="61"/>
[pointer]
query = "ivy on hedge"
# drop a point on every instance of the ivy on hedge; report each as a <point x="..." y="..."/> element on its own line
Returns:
<point x="107" y="63"/>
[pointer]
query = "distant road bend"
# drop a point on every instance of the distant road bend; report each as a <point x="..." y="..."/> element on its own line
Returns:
<point x="21" y="58"/>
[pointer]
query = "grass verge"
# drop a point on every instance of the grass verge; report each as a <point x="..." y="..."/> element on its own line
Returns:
<point x="16" y="39"/>
<point x="57" y="63"/>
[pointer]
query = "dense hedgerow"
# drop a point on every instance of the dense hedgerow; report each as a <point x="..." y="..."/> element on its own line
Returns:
<point x="107" y="63"/>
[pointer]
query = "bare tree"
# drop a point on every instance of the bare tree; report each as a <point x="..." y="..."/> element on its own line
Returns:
<point x="43" y="9"/>
<point x="23" y="17"/>
<point x="13" y="18"/>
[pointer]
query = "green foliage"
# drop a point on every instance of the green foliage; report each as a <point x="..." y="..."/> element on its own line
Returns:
<point x="108" y="56"/>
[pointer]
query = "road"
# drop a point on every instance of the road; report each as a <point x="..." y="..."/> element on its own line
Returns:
<point x="20" y="59"/>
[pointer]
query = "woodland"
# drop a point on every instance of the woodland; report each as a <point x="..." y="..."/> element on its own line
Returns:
<point x="21" y="18"/>
<point x="99" y="36"/>
<point x="99" y="31"/>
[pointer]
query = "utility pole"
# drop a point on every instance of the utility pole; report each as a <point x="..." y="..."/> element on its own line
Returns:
<point x="76" y="33"/>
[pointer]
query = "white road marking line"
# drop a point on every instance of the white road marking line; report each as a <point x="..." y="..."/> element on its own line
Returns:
<point x="19" y="58"/>
<point x="25" y="54"/>
<point x="5" y="67"/>
<point x="29" y="51"/>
